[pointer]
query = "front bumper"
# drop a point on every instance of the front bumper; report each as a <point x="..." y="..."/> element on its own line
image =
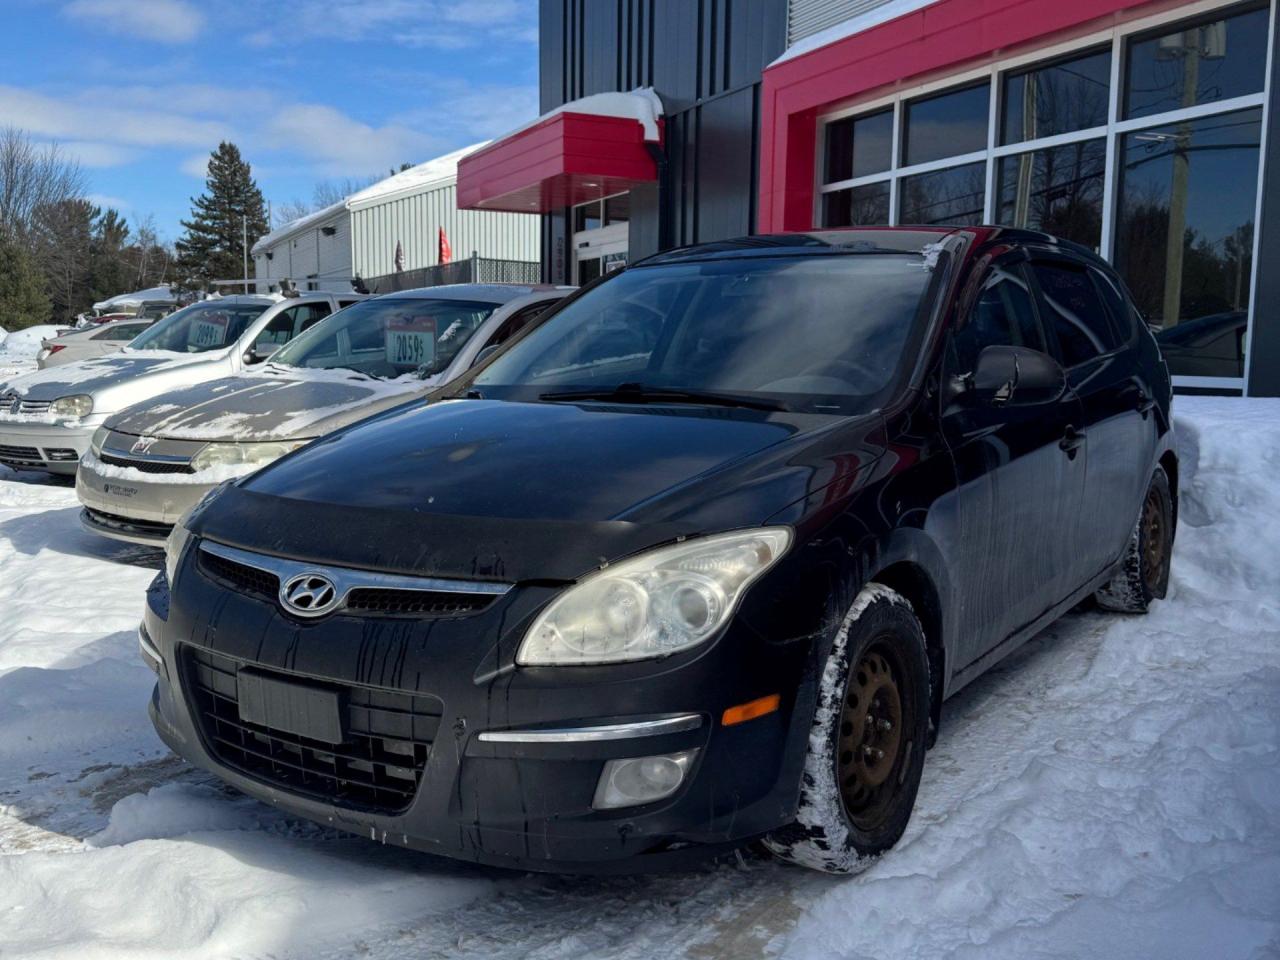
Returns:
<point x="137" y="509"/>
<point x="486" y="790"/>
<point x="44" y="445"/>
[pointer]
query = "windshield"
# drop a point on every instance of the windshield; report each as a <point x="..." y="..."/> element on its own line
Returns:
<point x="208" y="325"/>
<point x="389" y="337"/>
<point x="817" y="333"/>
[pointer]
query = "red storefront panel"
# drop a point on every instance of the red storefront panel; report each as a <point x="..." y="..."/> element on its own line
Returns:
<point x="944" y="37"/>
<point x="566" y="159"/>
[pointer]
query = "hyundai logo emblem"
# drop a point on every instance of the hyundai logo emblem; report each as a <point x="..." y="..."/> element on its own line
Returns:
<point x="309" y="595"/>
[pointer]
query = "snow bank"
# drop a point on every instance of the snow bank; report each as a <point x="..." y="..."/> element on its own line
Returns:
<point x="24" y="344"/>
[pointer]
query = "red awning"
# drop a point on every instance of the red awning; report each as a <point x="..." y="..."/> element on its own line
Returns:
<point x="585" y="150"/>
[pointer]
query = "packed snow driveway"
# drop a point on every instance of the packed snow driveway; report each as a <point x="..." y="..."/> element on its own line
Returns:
<point x="1110" y="791"/>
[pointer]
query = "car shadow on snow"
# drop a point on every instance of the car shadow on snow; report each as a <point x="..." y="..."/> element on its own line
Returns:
<point x="59" y="530"/>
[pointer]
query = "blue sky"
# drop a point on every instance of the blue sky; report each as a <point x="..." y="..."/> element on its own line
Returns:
<point x="140" y="91"/>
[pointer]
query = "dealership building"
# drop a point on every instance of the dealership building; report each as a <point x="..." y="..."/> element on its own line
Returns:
<point x="1139" y="128"/>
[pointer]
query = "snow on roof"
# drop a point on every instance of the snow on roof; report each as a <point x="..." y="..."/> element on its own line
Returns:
<point x="642" y="105"/>
<point x="293" y="226"/>
<point x="874" y="14"/>
<point x="421" y="177"/>
<point x="415" y="178"/>
<point x="135" y="299"/>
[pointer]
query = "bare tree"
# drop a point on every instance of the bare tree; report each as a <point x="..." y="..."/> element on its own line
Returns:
<point x="32" y="178"/>
<point x="325" y="194"/>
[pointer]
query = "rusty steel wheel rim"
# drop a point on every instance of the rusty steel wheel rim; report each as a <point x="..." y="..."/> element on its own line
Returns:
<point x="1153" y="541"/>
<point x="870" y="744"/>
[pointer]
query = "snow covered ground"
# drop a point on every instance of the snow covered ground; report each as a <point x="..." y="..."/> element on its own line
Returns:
<point x="1111" y="791"/>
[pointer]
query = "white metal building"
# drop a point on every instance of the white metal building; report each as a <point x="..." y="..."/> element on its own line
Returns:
<point x="358" y="236"/>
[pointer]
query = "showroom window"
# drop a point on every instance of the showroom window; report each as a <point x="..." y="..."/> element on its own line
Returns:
<point x="1142" y="143"/>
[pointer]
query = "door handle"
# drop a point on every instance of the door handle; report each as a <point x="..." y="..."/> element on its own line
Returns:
<point x="1071" y="442"/>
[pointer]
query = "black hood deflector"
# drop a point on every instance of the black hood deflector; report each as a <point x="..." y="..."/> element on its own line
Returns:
<point x="501" y="549"/>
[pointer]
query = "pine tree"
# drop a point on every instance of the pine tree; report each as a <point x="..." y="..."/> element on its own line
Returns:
<point x="109" y="274"/>
<point x="213" y="246"/>
<point x="23" y="302"/>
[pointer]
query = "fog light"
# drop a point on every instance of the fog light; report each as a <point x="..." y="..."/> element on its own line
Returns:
<point x="637" y="780"/>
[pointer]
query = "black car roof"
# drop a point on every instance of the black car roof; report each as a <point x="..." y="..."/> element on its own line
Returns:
<point x="846" y="240"/>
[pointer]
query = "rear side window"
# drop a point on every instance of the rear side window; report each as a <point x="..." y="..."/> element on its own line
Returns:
<point x="1003" y="315"/>
<point x="1074" y="309"/>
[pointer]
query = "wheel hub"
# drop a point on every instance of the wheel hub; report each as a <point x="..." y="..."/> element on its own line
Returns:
<point x="870" y="731"/>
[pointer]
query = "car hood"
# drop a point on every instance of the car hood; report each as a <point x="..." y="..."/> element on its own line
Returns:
<point x="104" y="376"/>
<point x="523" y="490"/>
<point x="293" y="405"/>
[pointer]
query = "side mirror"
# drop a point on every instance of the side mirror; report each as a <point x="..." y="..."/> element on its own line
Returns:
<point x="260" y="352"/>
<point x="1005" y="376"/>
<point x="485" y="354"/>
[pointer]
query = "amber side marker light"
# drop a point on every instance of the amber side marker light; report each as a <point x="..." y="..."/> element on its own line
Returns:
<point x="750" y="710"/>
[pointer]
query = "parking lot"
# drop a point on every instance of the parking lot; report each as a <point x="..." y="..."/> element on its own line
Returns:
<point x="1112" y="790"/>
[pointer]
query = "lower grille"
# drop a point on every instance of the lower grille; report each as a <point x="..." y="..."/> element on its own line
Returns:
<point x="378" y="766"/>
<point x="128" y="524"/>
<point x="146" y="466"/>
<point x="20" y="454"/>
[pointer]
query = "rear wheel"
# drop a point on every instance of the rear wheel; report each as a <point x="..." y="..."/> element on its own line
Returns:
<point x="867" y="744"/>
<point x="1144" y="574"/>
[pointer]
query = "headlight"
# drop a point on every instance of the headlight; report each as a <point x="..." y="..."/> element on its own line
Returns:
<point x="81" y="405"/>
<point x="99" y="438"/>
<point x="240" y="454"/>
<point x="664" y="601"/>
<point x="174" y="547"/>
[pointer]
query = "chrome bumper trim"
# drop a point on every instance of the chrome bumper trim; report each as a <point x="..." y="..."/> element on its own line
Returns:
<point x="609" y="731"/>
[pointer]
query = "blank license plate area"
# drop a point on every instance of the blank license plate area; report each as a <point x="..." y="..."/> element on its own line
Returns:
<point x="285" y="705"/>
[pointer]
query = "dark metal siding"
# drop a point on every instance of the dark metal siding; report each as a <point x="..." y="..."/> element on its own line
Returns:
<point x="705" y="59"/>
<point x="1264" y="350"/>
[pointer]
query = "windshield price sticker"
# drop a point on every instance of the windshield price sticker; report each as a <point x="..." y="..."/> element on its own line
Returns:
<point x="210" y="330"/>
<point x="411" y="341"/>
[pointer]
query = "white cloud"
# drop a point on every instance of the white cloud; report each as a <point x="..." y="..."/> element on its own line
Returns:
<point x="106" y="201"/>
<point x="341" y="145"/>
<point x="196" y="166"/>
<point x="89" y="118"/>
<point x="169" y="21"/>
<point x="459" y="111"/>
<point x="439" y="24"/>
<point x="92" y="154"/>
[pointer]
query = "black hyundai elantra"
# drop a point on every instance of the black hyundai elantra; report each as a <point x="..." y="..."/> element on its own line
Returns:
<point x="694" y="560"/>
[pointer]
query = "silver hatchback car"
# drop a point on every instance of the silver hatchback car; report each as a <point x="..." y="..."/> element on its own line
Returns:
<point x="149" y="464"/>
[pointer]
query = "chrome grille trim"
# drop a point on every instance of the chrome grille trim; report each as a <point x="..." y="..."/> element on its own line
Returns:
<point x="13" y="404"/>
<point x="346" y="579"/>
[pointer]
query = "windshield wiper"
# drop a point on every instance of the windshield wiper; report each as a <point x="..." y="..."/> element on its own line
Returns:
<point x="639" y="393"/>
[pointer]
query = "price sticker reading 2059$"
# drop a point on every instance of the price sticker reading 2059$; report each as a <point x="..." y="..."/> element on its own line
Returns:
<point x="411" y="341"/>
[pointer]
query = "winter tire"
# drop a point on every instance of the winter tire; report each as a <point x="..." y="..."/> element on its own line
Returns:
<point x="1144" y="573"/>
<point x="867" y="742"/>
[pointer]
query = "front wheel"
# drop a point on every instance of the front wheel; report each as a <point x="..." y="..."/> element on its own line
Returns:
<point x="1144" y="573"/>
<point x="867" y="742"/>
